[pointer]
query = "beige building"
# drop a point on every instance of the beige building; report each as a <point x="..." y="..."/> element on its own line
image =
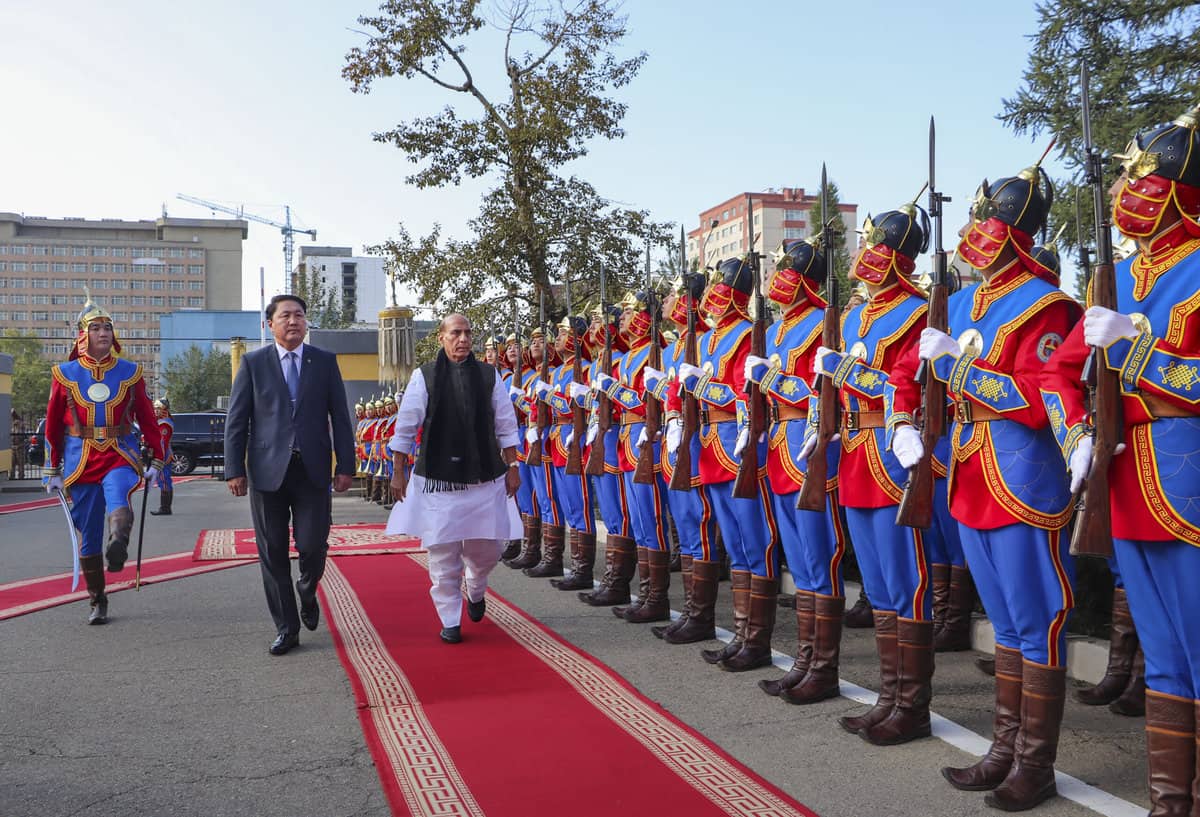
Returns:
<point x="137" y="270"/>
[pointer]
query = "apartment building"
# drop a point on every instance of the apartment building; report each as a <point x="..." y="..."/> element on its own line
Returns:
<point x="359" y="282"/>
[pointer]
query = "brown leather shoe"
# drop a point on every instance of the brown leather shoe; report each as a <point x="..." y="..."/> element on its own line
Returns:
<point x="657" y="604"/>
<point x="685" y="574"/>
<point x="820" y="683"/>
<point x="994" y="766"/>
<point x="1122" y="647"/>
<point x="806" y="628"/>
<point x="700" y="624"/>
<point x="859" y="617"/>
<point x="583" y="562"/>
<point x="620" y="563"/>
<point x="909" y="718"/>
<point x="531" y="546"/>
<point x="1031" y="779"/>
<point x="756" y="646"/>
<point x="1132" y="703"/>
<point x="955" y="632"/>
<point x="889" y="657"/>
<point x="643" y="571"/>
<point x="739" y="581"/>
<point x="553" y="545"/>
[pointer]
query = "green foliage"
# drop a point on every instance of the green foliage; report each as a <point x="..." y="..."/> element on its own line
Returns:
<point x="841" y="258"/>
<point x="325" y="309"/>
<point x="194" y="380"/>
<point x="1141" y="56"/>
<point x="558" y="71"/>
<point x="31" y="374"/>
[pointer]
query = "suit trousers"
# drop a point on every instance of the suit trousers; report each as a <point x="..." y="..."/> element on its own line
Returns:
<point x="308" y="508"/>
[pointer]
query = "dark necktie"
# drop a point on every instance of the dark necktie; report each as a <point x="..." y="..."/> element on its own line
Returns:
<point x="291" y="374"/>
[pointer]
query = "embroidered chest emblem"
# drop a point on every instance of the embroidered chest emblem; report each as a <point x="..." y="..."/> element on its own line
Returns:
<point x="1056" y="418"/>
<point x="1046" y="346"/>
<point x="989" y="387"/>
<point x="868" y="380"/>
<point x="789" y="387"/>
<point x="1179" y="375"/>
<point x="715" y="393"/>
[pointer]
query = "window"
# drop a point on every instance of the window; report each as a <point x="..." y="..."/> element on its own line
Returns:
<point x="118" y="269"/>
<point x="58" y="348"/>
<point x="58" y="299"/>
<point x="77" y="251"/>
<point x="41" y="316"/>
<point x="196" y="302"/>
<point x="121" y="317"/>
<point x="40" y="299"/>
<point x="158" y="252"/>
<point x="175" y="269"/>
<point x="101" y="251"/>
<point x="157" y="300"/>
<point x="793" y="215"/>
<point x="18" y="249"/>
<point x="20" y="316"/>
<point x="138" y="317"/>
<point x="177" y="286"/>
<point x="156" y="284"/>
<point x="40" y="249"/>
<point x="176" y="252"/>
<point x="724" y="215"/>
<point x="137" y="284"/>
<point x="99" y="283"/>
<point x="195" y="269"/>
<point x="3" y="299"/>
<point x="118" y="284"/>
<point x="757" y="219"/>
<point x="177" y="300"/>
<point x="79" y="267"/>
<point x="793" y="232"/>
<point x="196" y="286"/>
<point x="78" y="283"/>
<point x="17" y="283"/>
<point x="118" y="252"/>
<point x="61" y="251"/>
<point x="78" y="300"/>
<point x="58" y="266"/>
<point x="60" y="331"/>
<point x="59" y="316"/>
<point x="3" y="266"/>
<point x="194" y="253"/>
<point x="99" y="267"/>
<point x="117" y="300"/>
<point x="39" y="283"/>
<point x="19" y="266"/>
<point x="138" y="300"/>
<point x="4" y="315"/>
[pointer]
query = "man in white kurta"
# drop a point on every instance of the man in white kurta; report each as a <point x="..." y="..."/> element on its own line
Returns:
<point x="463" y="525"/>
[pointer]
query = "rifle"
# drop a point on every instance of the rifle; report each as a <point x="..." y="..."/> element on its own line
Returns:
<point x="812" y="493"/>
<point x="916" y="506"/>
<point x="595" y="461"/>
<point x="644" y="473"/>
<point x="745" y="484"/>
<point x="1092" y="535"/>
<point x="534" y="457"/>
<point x="578" y="420"/>
<point x="681" y="477"/>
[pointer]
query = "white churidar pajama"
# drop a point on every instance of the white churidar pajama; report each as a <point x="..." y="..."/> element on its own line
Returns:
<point x="463" y="531"/>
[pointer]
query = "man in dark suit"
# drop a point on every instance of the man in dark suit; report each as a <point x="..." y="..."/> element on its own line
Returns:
<point x="288" y="402"/>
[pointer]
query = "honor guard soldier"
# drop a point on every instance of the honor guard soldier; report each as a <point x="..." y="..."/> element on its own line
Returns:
<point x="1008" y="483"/>
<point x="520" y="371"/>
<point x="747" y="525"/>
<point x="700" y="567"/>
<point x="550" y="509"/>
<point x="1150" y="341"/>
<point x="893" y="559"/>
<point x="360" y="448"/>
<point x="646" y="502"/>
<point x="813" y="541"/>
<point x="95" y="399"/>
<point x="166" y="429"/>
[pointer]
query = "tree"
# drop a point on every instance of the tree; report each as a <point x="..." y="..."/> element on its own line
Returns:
<point x="841" y="258"/>
<point x="1141" y="59"/>
<point x="195" y="379"/>
<point x="325" y="309"/>
<point x="558" y="68"/>
<point x="31" y="374"/>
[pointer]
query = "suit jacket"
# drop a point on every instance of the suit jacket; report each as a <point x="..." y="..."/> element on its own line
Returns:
<point x="260" y="426"/>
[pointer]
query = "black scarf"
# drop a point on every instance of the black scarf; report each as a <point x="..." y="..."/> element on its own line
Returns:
<point x="458" y="440"/>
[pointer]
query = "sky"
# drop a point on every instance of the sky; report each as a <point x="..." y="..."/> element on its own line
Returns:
<point x="114" y="108"/>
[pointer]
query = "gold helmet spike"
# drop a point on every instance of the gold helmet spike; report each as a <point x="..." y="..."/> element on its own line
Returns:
<point x="91" y="311"/>
<point x="910" y="209"/>
<point x="1052" y="245"/>
<point x="1190" y="119"/>
<point x="630" y="301"/>
<point x="1030" y="174"/>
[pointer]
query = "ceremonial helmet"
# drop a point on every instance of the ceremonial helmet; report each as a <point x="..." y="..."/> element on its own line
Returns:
<point x="163" y="403"/>
<point x="1161" y="164"/>
<point x="1046" y="254"/>
<point x="730" y="287"/>
<point x="799" y="265"/>
<point x="1009" y="211"/>
<point x="689" y="288"/>
<point x="91" y="311"/>
<point x="643" y="303"/>
<point x="359" y="408"/>
<point x="573" y="326"/>
<point x="892" y="242"/>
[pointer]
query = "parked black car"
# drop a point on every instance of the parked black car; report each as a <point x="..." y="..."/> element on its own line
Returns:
<point x="199" y="436"/>
<point x="35" y="452"/>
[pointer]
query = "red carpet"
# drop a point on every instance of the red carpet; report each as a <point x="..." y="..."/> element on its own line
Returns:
<point x="452" y="729"/>
<point x="52" y="502"/>
<point x="344" y="540"/>
<point x="31" y="595"/>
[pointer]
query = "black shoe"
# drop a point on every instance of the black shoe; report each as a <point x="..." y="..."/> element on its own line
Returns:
<point x="476" y="609"/>
<point x="310" y="611"/>
<point x="117" y="555"/>
<point x="283" y="643"/>
<point x="99" y="613"/>
<point x="451" y="635"/>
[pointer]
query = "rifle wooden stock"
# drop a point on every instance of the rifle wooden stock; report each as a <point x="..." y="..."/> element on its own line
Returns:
<point x="812" y="492"/>
<point x="595" y="461"/>
<point x="916" y="506"/>
<point x="534" y="457"/>
<point x="578" y="421"/>
<point x="644" y="473"/>
<point x="1092" y="535"/>
<point x="745" y="485"/>
<point x="681" y="478"/>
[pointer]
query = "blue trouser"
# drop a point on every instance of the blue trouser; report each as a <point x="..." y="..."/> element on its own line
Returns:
<point x="814" y="543"/>
<point x="694" y="522"/>
<point x="525" y="501"/>
<point x="575" y="496"/>
<point x="543" y="487"/>
<point x="945" y="547"/>
<point x="1160" y="581"/>
<point x="1024" y="576"/>
<point x="92" y="501"/>
<point x="610" y="491"/>
<point x="747" y="526"/>
<point x="163" y="481"/>
<point x="1115" y="569"/>
<point x="647" y="509"/>
<point x="892" y="560"/>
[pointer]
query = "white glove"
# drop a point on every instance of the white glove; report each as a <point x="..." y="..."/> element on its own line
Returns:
<point x="934" y="344"/>
<point x="601" y="381"/>
<point x="674" y="435"/>
<point x="151" y="475"/>
<point x="54" y="484"/>
<point x="592" y="432"/>
<point x="578" y="390"/>
<point x="542" y="388"/>
<point x="906" y="444"/>
<point x="690" y="375"/>
<point x="819" y="358"/>
<point x="754" y="362"/>
<point x="643" y="438"/>
<point x="742" y="439"/>
<point x="1101" y="327"/>
<point x="810" y="445"/>
<point x="531" y="435"/>
<point x="515" y="393"/>
<point x="1080" y="464"/>
<point x="569" y="436"/>
<point x="652" y="377"/>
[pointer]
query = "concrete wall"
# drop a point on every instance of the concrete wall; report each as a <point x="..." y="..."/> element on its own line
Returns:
<point x="357" y="352"/>
<point x="6" y="373"/>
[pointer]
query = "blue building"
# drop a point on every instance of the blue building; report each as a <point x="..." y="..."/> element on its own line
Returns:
<point x="207" y="330"/>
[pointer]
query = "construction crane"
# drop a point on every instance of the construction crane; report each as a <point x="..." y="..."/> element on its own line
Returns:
<point x="285" y="227"/>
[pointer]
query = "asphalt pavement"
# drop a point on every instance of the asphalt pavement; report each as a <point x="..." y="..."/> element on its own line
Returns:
<point x="176" y="708"/>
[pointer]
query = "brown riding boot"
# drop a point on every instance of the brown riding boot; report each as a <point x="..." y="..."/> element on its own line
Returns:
<point x="806" y="629"/>
<point x="955" y="632"/>
<point x="993" y="767"/>
<point x="513" y="548"/>
<point x="756" y="647"/>
<point x="643" y="571"/>
<point x="1132" y="703"/>
<point x="553" y="545"/>
<point x="583" y="563"/>
<point x="700" y="624"/>
<point x="859" y="617"/>
<point x="92" y="568"/>
<point x="939" y="579"/>
<point x="821" y="681"/>
<point x="1031" y="779"/>
<point x="531" y="546"/>
<point x="120" y="526"/>
<point x="685" y="573"/>
<point x="620" y="563"/>
<point x="909" y="718"/>
<point x="1122" y="645"/>
<point x="739" y="581"/>
<point x="889" y="653"/>
<point x="657" y="606"/>
<point x="1170" y="753"/>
